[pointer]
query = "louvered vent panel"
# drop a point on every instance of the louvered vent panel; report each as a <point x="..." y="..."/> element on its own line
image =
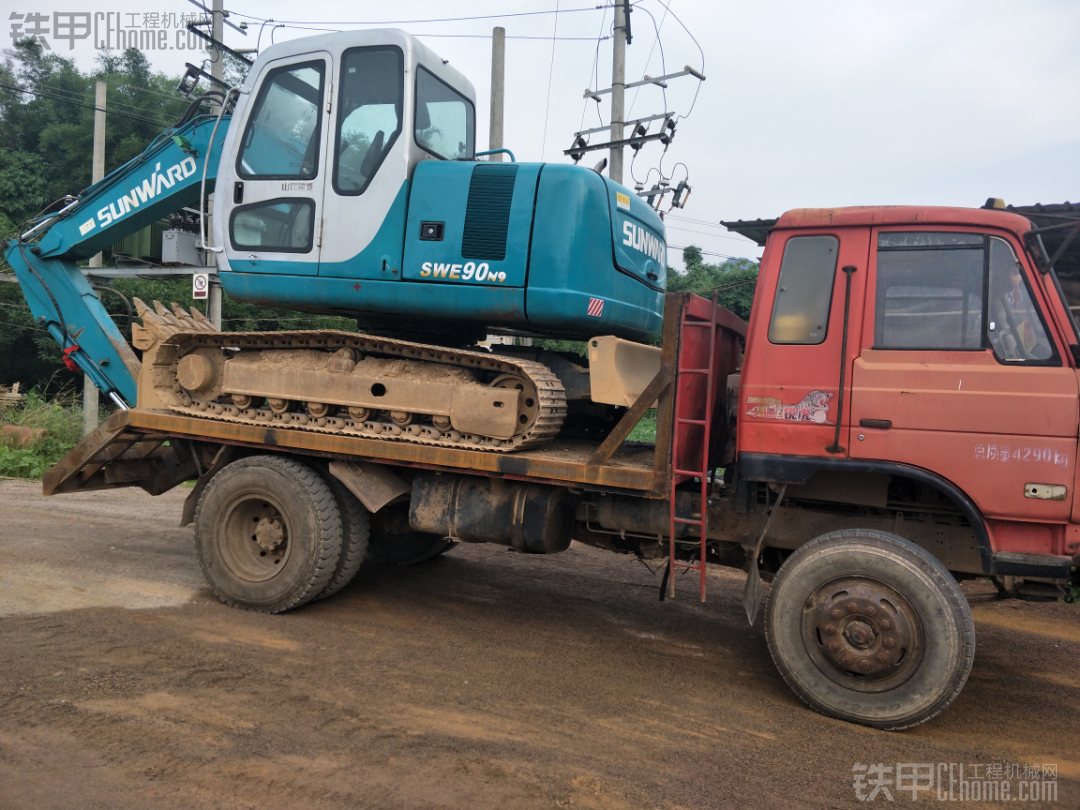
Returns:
<point x="487" y="217"/>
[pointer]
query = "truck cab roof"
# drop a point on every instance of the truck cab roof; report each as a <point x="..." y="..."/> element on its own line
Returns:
<point x="856" y="215"/>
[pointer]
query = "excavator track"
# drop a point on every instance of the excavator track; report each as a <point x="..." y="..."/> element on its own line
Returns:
<point x="182" y="334"/>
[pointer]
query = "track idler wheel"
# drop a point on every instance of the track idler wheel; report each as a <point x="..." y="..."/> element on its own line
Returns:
<point x="528" y="404"/>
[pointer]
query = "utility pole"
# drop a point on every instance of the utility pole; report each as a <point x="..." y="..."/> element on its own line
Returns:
<point x="498" y="83"/>
<point x="217" y="70"/>
<point x="618" y="92"/>
<point x="90" y="391"/>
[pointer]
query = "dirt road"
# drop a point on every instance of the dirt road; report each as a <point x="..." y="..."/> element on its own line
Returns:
<point x="484" y="679"/>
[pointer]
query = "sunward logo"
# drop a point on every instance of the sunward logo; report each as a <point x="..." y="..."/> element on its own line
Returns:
<point x="149" y="189"/>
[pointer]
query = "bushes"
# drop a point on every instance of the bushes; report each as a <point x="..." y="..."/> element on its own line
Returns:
<point x="61" y="420"/>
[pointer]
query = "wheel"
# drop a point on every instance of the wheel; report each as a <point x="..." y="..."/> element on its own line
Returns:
<point x="267" y="534"/>
<point x="355" y="531"/>
<point x="528" y="402"/>
<point x="280" y="406"/>
<point x="394" y="541"/>
<point x="321" y="409"/>
<point x="868" y="627"/>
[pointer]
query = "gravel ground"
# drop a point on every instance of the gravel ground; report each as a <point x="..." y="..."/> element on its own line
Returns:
<point x="483" y="679"/>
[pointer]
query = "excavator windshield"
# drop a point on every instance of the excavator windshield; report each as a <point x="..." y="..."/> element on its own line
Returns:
<point x="282" y="136"/>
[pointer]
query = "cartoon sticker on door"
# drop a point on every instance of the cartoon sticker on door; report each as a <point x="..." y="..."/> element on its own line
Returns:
<point x="814" y="407"/>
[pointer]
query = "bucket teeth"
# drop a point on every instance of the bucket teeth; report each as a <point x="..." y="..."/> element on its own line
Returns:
<point x="154" y="322"/>
<point x="164" y="324"/>
<point x="204" y="323"/>
<point x="169" y="318"/>
<point x="193" y="322"/>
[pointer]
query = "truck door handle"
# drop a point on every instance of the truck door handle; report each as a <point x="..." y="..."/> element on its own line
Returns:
<point x="238" y="193"/>
<point x="882" y="424"/>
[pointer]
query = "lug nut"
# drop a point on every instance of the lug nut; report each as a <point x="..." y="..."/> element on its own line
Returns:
<point x="829" y="629"/>
<point x="871" y="610"/>
<point x="889" y="643"/>
<point x="836" y="614"/>
<point x="846" y="659"/>
<point x="852" y="607"/>
<point x="834" y="647"/>
<point x="882" y="658"/>
<point x="864" y="664"/>
<point x="885" y="624"/>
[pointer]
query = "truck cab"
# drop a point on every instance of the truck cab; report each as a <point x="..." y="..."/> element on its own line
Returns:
<point x="917" y="361"/>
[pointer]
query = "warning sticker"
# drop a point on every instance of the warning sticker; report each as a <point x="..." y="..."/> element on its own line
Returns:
<point x="200" y="286"/>
<point x="622" y="200"/>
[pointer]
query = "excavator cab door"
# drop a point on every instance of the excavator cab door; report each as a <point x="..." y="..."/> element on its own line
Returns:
<point x="276" y="178"/>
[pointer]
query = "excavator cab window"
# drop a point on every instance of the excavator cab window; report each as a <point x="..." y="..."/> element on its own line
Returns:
<point x="445" y="119"/>
<point x="281" y="140"/>
<point x="369" y="114"/>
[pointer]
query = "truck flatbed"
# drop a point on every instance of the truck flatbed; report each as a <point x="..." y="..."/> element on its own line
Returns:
<point x="131" y="443"/>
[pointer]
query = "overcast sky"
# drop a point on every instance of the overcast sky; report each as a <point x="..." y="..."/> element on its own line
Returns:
<point x="806" y="104"/>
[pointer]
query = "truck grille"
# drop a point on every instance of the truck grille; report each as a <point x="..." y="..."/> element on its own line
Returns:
<point x="487" y="217"/>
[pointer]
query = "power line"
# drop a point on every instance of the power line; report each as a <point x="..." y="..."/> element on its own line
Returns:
<point x="551" y="72"/>
<point x="111" y="102"/>
<point x="711" y="253"/>
<point x="663" y="59"/>
<point x="85" y="106"/>
<point x="488" y="36"/>
<point x="706" y="233"/>
<point x="667" y="7"/>
<point x="416" y="22"/>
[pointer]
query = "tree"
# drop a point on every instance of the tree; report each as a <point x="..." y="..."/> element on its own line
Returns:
<point x="733" y="280"/>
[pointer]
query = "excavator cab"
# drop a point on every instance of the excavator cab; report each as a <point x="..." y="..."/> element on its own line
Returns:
<point x="349" y="183"/>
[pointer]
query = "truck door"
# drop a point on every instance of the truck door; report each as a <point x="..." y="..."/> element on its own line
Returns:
<point x="961" y="374"/>
<point x="791" y="376"/>
<point x="276" y="179"/>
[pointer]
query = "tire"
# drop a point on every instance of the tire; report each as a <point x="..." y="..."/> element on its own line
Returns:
<point x="290" y="555"/>
<point x="868" y="627"/>
<point x="355" y="534"/>
<point x="394" y="542"/>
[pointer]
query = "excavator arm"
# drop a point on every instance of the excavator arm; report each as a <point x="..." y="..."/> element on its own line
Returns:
<point x="170" y="173"/>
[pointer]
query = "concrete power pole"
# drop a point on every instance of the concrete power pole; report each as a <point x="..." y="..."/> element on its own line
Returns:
<point x="217" y="70"/>
<point x="90" y="392"/>
<point x="618" y="92"/>
<point x="498" y="83"/>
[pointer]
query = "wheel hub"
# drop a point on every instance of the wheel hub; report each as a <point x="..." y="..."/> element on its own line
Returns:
<point x="864" y="631"/>
<point x="269" y="533"/>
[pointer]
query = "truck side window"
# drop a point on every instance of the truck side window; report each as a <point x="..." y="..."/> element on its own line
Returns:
<point x="1015" y="328"/>
<point x="281" y="140"/>
<point x="804" y="290"/>
<point x="444" y="119"/>
<point x="929" y="291"/>
<point x="369" y="114"/>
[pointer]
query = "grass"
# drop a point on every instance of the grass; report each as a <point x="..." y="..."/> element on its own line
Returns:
<point x="61" y="419"/>
<point x="645" y="430"/>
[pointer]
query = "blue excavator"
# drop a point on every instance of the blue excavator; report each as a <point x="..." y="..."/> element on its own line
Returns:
<point x="345" y="180"/>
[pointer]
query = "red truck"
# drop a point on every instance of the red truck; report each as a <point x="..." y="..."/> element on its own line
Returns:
<point x="901" y="413"/>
